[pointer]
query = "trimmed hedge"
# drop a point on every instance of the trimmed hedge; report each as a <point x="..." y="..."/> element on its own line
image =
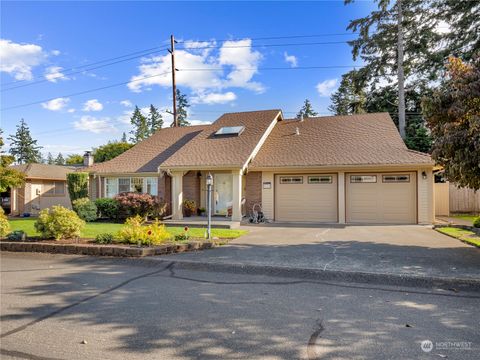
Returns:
<point x="77" y="185"/>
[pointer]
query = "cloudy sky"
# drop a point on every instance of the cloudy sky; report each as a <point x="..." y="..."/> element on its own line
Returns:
<point x="230" y="56"/>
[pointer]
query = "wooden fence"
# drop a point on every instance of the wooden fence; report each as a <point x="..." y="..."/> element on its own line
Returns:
<point x="451" y="199"/>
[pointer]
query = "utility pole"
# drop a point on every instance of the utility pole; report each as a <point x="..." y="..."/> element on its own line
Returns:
<point x="174" y="84"/>
<point x="400" y="74"/>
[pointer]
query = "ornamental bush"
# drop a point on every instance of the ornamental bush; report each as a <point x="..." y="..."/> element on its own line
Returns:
<point x="135" y="232"/>
<point x="85" y="208"/>
<point x="77" y="183"/>
<point x="105" y="238"/>
<point x="476" y="222"/>
<point x="107" y="208"/>
<point x="4" y="224"/>
<point x="59" y="223"/>
<point x="132" y="204"/>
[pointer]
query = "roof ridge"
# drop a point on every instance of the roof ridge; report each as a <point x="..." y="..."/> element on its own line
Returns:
<point x="337" y="116"/>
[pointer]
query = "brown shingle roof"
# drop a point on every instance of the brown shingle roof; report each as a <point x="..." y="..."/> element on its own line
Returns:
<point x="231" y="151"/>
<point x="367" y="139"/>
<point x="44" y="171"/>
<point x="147" y="155"/>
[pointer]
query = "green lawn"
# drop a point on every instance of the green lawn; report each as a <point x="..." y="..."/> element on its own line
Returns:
<point x="93" y="229"/>
<point x="466" y="217"/>
<point x="464" y="235"/>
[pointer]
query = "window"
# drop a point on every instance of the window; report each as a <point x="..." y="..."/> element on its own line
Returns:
<point x="136" y="185"/>
<point x="111" y="187"/>
<point x="291" y="180"/>
<point x="363" y="178"/>
<point x="53" y="188"/>
<point x="152" y="186"/>
<point x="123" y="185"/>
<point x="320" y="179"/>
<point x="396" y="178"/>
<point x="230" y="130"/>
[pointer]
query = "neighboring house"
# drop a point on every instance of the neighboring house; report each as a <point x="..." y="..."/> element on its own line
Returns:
<point x="335" y="169"/>
<point x="45" y="186"/>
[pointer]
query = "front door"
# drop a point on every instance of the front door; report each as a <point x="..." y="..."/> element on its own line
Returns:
<point x="223" y="194"/>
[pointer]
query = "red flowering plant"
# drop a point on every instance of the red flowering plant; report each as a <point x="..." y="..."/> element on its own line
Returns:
<point x="132" y="204"/>
<point x="183" y="236"/>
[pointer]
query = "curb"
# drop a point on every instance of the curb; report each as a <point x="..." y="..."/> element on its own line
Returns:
<point x="327" y="275"/>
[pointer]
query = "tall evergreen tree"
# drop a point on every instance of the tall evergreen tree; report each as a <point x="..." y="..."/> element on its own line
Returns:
<point x="350" y="97"/>
<point x="140" y="126"/>
<point x="124" y="138"/>
<point x="155" y="120"/>
<point x="50" y="160"/>
<point x="307" y="110"/>
<point x="59" y="160"/>
<point x="182" y="109"/>
<point x="23" y="147"/>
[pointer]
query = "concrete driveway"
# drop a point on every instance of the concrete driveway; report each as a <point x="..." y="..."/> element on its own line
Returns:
<point x="402" y="250"/>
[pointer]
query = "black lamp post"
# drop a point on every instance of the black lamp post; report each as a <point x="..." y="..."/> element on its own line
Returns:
<point x="209" y="180"/>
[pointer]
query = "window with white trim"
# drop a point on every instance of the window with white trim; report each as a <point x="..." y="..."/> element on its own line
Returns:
<point x="136" y="185"/>
<point x="320" y="179"/>
<point x="291" y="179"/>
<point x="396" y="178"/>
<point x="111" y="187"/>
<point x="152" y="186"/>
<point x="53" y="188"/>
<point x="123" y="185"/>
<point x="363" y="178"/>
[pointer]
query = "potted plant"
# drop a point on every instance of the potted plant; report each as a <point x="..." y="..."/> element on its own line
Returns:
<point x="202" y="211"/>
<point x="189" y="208"/>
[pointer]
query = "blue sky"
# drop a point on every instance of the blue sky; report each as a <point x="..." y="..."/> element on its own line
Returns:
<point x="42" y="42"/>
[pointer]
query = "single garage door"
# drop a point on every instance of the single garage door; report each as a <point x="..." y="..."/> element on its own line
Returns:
<point x="381" y="198"/>
<point x="306" y="197"/>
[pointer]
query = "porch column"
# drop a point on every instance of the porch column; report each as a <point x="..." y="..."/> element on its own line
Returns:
<point x="341" y="197"/>
<point x="177" y="195"/>
<point x="237" y="196"/>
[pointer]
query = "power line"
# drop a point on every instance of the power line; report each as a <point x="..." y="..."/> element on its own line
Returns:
<point x="278" y="68"/>
<point x="265" y="45"/>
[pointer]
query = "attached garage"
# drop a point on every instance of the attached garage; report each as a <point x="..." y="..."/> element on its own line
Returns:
<point x="376" y="198"/>
<point x="306" y="197"/>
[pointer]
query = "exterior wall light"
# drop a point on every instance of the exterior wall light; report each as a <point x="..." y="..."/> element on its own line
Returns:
<point x="424" y="175"/>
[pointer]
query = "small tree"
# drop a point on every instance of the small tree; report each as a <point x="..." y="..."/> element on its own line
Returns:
<point x="307" y="110"/>
<point x="140" y="130"/>
<point x="110" y="150"/>
<point x="124" y="138"/>
<point x="74" y="159"/>
<point x="23" y="147"/>
<point x="77" y="185"/>
<point x="9" y="178"/>
<point x="155" y="120"/>
<point x="59" y="160"/>
<point x="350" y="97"/>
<point x="50" y="160"/>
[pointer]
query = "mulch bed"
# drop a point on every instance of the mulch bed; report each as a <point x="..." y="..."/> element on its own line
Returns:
<point x="88" y="247"/>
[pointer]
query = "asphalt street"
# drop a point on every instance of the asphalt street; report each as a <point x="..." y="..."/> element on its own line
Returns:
<point x="71" y="307"/>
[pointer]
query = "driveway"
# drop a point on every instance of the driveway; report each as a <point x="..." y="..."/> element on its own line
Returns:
<point x="410" y="250"/>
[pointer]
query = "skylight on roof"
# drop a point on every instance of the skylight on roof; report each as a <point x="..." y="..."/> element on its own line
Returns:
<point x="230" y="130"/>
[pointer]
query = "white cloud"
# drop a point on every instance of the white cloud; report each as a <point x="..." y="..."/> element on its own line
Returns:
<point x="213" y="98"/>
<point x="56" y="104"/>
<point x="92" y="105"/>
<point x="71" y="110"/>
<point x="54" y="73"/>
<point x="233" y="65"/>
<point x="19" y="59"/>
<point x="94" y="125"/>
<point x="126" y="103"/>
<point x="55" y="52"/>
<point x="290" y="59"/>
<point x="325" y="88"/>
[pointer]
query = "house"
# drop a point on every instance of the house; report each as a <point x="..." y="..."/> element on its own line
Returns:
<point x="45" y="186"/>
<point x="334" y="169"/>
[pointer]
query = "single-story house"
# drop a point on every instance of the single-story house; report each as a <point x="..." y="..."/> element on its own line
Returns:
<point x="45" y="186"/>
<point x="333" y="169"/>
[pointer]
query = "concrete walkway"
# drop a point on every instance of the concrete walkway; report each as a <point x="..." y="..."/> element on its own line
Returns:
<point x="414" y="251"/>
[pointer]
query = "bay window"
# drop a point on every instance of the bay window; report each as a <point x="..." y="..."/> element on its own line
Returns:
<point x="147" y="185"/>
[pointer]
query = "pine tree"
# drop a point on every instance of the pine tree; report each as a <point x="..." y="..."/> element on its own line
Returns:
<point x="124" y="138"/>
<point x="182" y="109"/>
<point x="307" y="110"/>
<point x="23" y="147"/>
<point x="155" y="120"/>
<point x="140" y="126"/>
<point x="350" y="97"/>
<point x="50" y="160"/>
<point x="59" y="160"/>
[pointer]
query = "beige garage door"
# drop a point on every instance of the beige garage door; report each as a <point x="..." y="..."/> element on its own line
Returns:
<point x="381" y="198"/>
<point x="306" y="197"/>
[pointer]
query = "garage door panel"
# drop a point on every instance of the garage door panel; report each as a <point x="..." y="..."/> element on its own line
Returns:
<point x="306" y="201"/>
<point x="381" y="202"/>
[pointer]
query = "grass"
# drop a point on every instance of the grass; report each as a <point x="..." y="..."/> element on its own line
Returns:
<point x="465" y="235"/>
<point x="93" y="229"/>
<point x="466" y="217"/>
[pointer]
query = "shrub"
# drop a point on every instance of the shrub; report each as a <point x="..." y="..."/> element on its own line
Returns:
<point x="183" y="236"/>
<point x="77" y="185"/>
<point x="85" y="208"/>
<point x="189" y="207"/>
<point x="4" y="224"/>
<point x="476" y="222"/>
<point x="105" y="238"/>
<point x="132" y="204"/>
<point x="107" y="208"/>
<point x="134" y="232"/>
<point x="17" y="235"/>
<point x="59" y="223"/>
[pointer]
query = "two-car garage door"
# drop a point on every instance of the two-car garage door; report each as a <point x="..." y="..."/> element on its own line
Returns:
<point x="369" y="198"/>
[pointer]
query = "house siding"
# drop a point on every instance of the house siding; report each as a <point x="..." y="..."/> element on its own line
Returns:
<point x="253" y="190"/>
<point x="191" y="187"/>
<point x="425" y="197"/>
<point x="268" y="195"/>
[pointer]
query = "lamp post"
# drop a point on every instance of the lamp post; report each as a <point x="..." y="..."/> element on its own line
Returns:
<point x="209" y="180"/>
